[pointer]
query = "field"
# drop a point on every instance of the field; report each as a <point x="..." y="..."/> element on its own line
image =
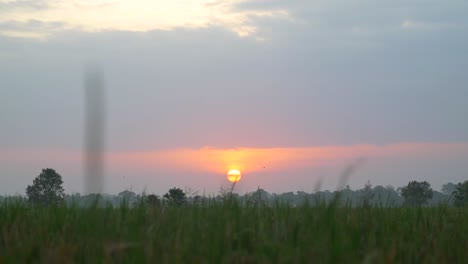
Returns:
<point x="232" y="233"/>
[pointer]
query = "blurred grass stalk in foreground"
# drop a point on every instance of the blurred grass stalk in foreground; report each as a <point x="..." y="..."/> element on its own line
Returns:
<point x="95" y="123"/>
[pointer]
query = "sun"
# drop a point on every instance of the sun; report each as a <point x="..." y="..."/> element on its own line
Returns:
<point x="234" y="175"/>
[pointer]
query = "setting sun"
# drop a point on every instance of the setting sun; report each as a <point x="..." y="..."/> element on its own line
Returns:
<point x="234" y="175"/>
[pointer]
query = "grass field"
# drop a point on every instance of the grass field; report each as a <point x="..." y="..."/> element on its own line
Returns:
<point x="232" y="233"/>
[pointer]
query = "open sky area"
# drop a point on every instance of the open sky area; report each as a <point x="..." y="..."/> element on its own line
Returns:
<point x="288" y="92"/>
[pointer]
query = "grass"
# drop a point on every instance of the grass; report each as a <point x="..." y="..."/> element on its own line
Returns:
<point x="232" y="233"/>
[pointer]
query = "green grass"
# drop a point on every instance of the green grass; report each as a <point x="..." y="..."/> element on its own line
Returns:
<point x="230" y="233"/>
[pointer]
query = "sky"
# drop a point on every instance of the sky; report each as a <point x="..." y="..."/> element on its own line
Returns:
<point x="288" y="92"/>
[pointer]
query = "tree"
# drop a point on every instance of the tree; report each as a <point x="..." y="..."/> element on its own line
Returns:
<point x="416" y="193"/>
<point x="449" y="188"/>
<point x="46" y="188"/>
<point x="367" y="194"/>
<point x="175" y="196"/>
<point x="460" y="194"/>
<point x="153" y="200"/>
<point x="127" y="195"/>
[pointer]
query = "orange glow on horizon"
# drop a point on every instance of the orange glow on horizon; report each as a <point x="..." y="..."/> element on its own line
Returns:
<point x="218" y="161"/>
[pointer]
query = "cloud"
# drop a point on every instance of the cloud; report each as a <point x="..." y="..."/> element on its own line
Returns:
<point x="31" y="29"/>
<point x="421" y="25"/>
<point x="24" y="5"/>
<point x="293" y="91"/>
<point x="139" y="16"/>
<point x="359" y="23"/>
<point x="327" y="18"/>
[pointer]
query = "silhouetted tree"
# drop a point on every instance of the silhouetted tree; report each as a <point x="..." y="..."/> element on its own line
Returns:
<point x="416" y="193"/>
<point x="197" y="199"/>
<point x="260" y="197"/>
<point x="460" y="194"/>
<point x="367" y="194"/>
<point x="449" y="188"/>
<point x="175" y="196"/>
<point x="153" y="200"/>
<point x="127" y="195"/>
<point x="46" y="188"/>
<point x="92" y="200"/>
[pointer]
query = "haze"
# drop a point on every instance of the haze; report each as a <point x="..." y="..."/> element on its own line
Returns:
<point x="288" y="92"/>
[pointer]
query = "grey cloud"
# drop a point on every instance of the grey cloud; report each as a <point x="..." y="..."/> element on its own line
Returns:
<point x="384" y="16"/>
<point x="188" y="88"/>
<point x="317" y="85"/>
<point x="24" y="5"/>
<point x="31" y="25"/>
<point x="94" y="4"/>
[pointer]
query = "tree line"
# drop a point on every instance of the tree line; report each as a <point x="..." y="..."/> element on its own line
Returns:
<point x="47" y="189"/>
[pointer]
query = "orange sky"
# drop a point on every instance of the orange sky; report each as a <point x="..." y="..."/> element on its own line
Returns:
<point x="207" y="167"/>
<point x="254" y="159"/>
<point x="216" y="160"/>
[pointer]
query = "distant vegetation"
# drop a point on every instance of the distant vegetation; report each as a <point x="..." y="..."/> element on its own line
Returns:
<point x="412" y="224"/>
<point x="47" y="189"/>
